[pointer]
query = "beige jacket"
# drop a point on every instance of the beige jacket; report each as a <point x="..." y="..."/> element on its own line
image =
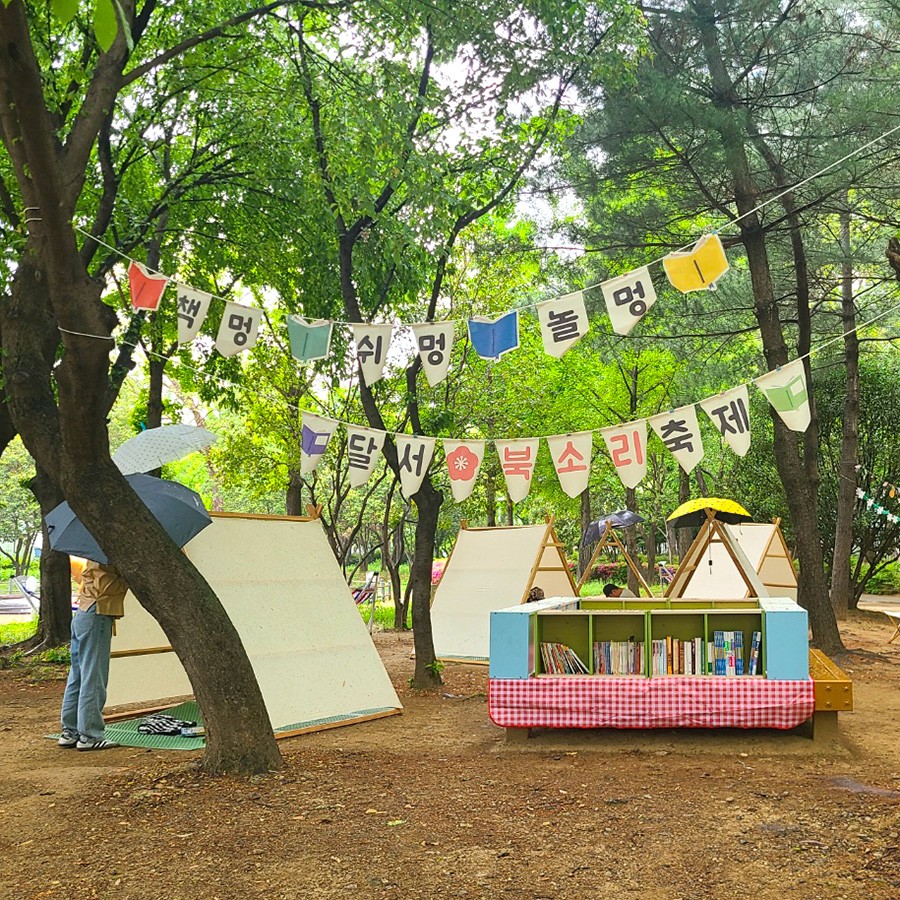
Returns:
<point x="104" y="586"/>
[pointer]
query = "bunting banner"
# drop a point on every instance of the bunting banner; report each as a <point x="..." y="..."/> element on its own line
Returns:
<point x="363" y="450"/>
<point x="463" y="462"/>
<point x="679" y="430"/>
<point x="413" y="459"/>
<point x="517" y="460"/>
<point x="628" y="298"/>
<point x="563" y="321"/>
<point x="785" y="389"/>
<point x="146" y="289"/>
<point x="572" y="459"/>
<point x="309" y="339"/>
<point x="193" y="306"/>
<point x="627" y="446"/>
<point x="434" y="341"/>
<point x="730" y="413"/>
<point x="491" y="338"/>
<point x="699" y="268"/>
<point x="315" y="433"/>
<point x="372" y="342"/>
<point x="238" y="329"/>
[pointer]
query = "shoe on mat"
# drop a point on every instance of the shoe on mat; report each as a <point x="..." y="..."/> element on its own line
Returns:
<point x="96" y="745"/>
<point x="68" y="739"/>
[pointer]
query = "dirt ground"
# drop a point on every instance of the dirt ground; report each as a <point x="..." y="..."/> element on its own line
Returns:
<point x="435" y="804"/>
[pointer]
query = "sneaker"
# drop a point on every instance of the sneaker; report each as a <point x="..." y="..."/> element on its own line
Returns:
<point x="96" y="745"/>
<point x="68" y="739"/>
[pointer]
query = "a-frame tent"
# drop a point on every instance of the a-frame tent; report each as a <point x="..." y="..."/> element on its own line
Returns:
<point x="731" y="562"/>
<point x="282" y="588"/>
<point x="488" y="569"/>
<point x="608" y="539"/>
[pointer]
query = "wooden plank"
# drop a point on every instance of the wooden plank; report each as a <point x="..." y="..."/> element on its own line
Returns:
<point x="234" y="515"/>
<point x="326" y="726"/>
<point x="141" y="651"/>
<point x="833" y="687"/>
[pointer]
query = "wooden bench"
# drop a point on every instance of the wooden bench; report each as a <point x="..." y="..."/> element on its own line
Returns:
<point x="833" y="692"/>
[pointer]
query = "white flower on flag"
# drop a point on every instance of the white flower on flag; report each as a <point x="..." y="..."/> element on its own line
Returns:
<point x="572" y="458"/>
<point x="627" y="446"/>
<point x="628" y="298"/>
<point x="372" y="342"/>
<point x="315" y="433"/>
<point x="413" y="459"/>
<point x="563" y="321"/>
<point x="193" y="305"/>
<point x="434" y="341"/>
<point x="730" y="413"/>
<point x="463" y="462"/>
<point x="679" y="430"/>
<point x="238" y="329"/>
<point x="363" y="450"/>
<point x="517" y="460"/>
<point x="785" y="388"/>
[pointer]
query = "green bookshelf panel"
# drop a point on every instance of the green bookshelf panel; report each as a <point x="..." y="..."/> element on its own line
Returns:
<point x="570" y="628"/>
<point x="682" y="624"/>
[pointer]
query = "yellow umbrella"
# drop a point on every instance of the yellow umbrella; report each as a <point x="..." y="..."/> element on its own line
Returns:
<point x="693" y="512"/>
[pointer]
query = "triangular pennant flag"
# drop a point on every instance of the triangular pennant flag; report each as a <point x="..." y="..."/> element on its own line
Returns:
<point x="679" y="430"/>
<point x="627" y="446"/>
<point x="193" y="305"/>
<point x="572" y="458"/>
<point x="238" y="329"/>
<point x="363" y="449"/>
<point x="434" y="341"/>
<point x="491" y="338"/>
<point x="309" y="339"/>
<point x="628" y="298"/>
<point x="315" y="433"/>
<point x="413" y="459"/>
<point x="517" y="460"/>
<point x="372" y="342"/>
<point x="730" y="413"/>
<point x="463" y="462"/>
<point x="785" y="389"/>
<point x="146" y="289"/>
<point x="700" y="267"/>
<point x="563" y="321"/>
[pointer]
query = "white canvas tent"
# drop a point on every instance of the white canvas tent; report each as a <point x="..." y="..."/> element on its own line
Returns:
<point x="731" y="562"/>
<point x="488" y="569"/>
<point x="282" y="588"/>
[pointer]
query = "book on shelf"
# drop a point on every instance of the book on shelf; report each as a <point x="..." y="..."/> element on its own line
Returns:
<point x="619" y="657"/>
<point x="560" y="659"/>
<point x="754" y="653"/>
<point x="728" y="648"/>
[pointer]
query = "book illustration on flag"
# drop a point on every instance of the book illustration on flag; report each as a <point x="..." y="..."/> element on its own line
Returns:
<point x="699" y="268"/>
<point x="309" y="340"/>
<point x="146" y="287"/>
<point x="491" y="338"/>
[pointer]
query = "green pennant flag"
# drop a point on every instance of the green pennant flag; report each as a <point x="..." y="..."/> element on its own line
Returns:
<point x="309" y="340"/>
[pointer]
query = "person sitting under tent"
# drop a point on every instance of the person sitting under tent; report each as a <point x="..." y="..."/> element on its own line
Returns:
<point x="536" y="593"/>
<point x="100" y="603"/>
<point x="613" y="590"/>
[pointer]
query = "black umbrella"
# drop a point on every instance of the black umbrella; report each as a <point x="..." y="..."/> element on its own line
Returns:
<point x="621" y="519"/>
<point x="177" y="508"/>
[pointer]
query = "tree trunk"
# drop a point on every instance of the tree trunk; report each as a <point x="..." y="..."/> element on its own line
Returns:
<point x="584" y="550"/>
<point x="841" y="588"/>
<point x="428" y="503"/>
<point x="490" y="492"/>
<point x="682" y="535"/>
<point x="293" y="499"/>
<point x="631" y="544"/>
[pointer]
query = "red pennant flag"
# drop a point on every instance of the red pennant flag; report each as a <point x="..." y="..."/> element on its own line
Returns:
<point x="146" y="289"/>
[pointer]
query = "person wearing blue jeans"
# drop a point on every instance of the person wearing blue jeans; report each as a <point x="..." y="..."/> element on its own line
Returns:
<point x="100" y="603"/>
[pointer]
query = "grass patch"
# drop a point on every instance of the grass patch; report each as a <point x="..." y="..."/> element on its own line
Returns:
<point x="384" y="615"/>
<point x="14" y="632"/>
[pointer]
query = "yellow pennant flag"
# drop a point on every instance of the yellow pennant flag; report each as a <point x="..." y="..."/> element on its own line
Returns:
<point x="699" y="268"/>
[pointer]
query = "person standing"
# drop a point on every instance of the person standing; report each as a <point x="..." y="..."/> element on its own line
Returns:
<point x="100" y="603"/>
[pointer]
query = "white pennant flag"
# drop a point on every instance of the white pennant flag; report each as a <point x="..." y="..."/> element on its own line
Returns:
<point x="238" y="328"/>
<point x="363" y="450"/>
<point x="572" y="458"/>
<point x="785" y="389"/>
<point x="679" y="430"/>
<point x="315" y="433"/>
<point x="563" y="321"/>
<point x="434" y="341"/>
<point x="627" y="446"/>
<point x="372" y="342"/>
<point x="193" y="305"/>
<point x="463" y="462"/>
<point x="517" y="460"/>
<point x="628" y="298"/>
<point x="413" y="459"/>
<point x="730" y="413"/>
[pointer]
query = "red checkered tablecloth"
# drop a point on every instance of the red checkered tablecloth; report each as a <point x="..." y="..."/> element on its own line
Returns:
<point x="675" y="701"/>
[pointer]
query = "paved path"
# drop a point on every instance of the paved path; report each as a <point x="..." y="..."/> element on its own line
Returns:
<point x="880" y="602"/>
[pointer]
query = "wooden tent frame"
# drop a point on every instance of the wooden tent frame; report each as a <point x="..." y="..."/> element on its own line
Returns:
<point x="777" y="533"/>
<point x="610" y="538"/>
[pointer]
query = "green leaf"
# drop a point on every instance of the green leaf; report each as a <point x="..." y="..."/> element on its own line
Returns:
<point x="124" y="23"/>
<point x="64" y="10"/>
<point x="105" y="24"/>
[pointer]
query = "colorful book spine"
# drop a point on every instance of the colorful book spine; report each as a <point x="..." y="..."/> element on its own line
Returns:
<point x="739" y="653"/>
<point x="754" y="652"/>
<point x="719" y="644"/>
